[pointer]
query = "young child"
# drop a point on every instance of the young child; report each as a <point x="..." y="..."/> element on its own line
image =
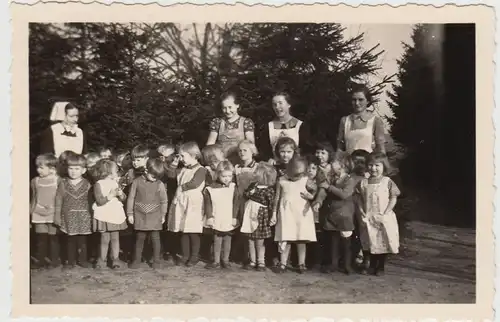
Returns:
<point x="140" y="156"/>
<point x="105" y="153"/>
<point x="325" y="154"/>
<point x="124" y="162"/>
<point x="358" y="171"/>
<point x="186" y="211"/>
<point x="212" y="156"/>
<point x="293" y="214"/>
<point x="314" y="196"/>
<point x="109" y="216"/>
<point x="285" y="149"/>
<point x="147" y="207"/>
<point x="378" y="225"/>
<point x="244" y="171"/>
<point x="92" y="158"/>
<point x="72" y="210"/>
<point x="338" y="222"/>
<point x="61" y="164"/>
<point x="256" y="223"/>
<point x="42" y="209"/>
<point x="221" y="213"/>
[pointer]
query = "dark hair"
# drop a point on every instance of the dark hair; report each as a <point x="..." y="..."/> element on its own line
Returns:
<point x="70" y="106"/>
<point x="76" y="160"/>
<point x="312" y="159"/>
<point x="228" y="94"/>
<point x="103" y="149"/>
<point x="103" y="168"/>
<point x="328" y="148"/>
<point x="360" y="153"/>
<point x="155" y="167"/>
<point x="46" y="159"/>
<point x="285" y="141"/>
<point x="287" y="96"/>
<point x="139" y="151"/>
<point x="362" y="88"/>
<point x="376" y="157"/>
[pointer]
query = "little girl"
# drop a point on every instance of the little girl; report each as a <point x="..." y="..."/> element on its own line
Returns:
<point x="378" y="224"/>
<point x="285" y="149"/>
<point x="147" y="207"/>
<point x="109" y="216"/>
<point x="212" y="156"/>
<point x="186" y="211"/>
<point x="221" y="212"/>
<point x="325" y="154"/>
<point x="338" y="222"/>
<point x="72" y="209"/>
<point x="42" y="208"/>
<point x="293" y="213"/>
<point x="105" y="153"/>
<point x="256" y="224"/>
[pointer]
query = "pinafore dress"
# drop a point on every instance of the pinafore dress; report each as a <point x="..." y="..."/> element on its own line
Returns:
<point x="110" y="216"/>
<point x="378" y="233"/>
<point x="276" y="134"/>
<point x="44" y="208"/>
<point x="356" y="139"/>
<point x="229" y="139"/>
<point x="222" y="207"/>
<point x="186" y="211"/>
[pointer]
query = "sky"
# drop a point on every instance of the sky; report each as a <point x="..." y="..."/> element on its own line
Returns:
<point x="390" y="37"/>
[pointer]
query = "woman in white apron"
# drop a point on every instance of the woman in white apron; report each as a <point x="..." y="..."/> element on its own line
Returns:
<point x="284" y="125"/>
<point x="231" y="129"/>
<point x="362" y="130"/>
<point x="65" y="135"/>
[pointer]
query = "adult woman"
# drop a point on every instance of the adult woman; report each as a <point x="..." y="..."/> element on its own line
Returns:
<point x="231" y="129"/>
<point x="362" y="130"/>
<point x="283" y="125"/>
<point x="65" y="134"/>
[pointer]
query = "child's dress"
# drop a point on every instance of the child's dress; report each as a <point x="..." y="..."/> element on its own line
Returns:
<point x="244" y="176"/>
<point x="257" y="212"/>
<point x="295" y="218"/>
<point x="147" y="203"/>
<point x="73" y="208"/>
<point x="219" y="204"/>
<point x="44" y="195"/>
<point x="339" y="214"/>
<point x="186" y="212"/>
<point x="378" y="233"/>
<point x="111" y="215"/>
<point x="312" y="188"/>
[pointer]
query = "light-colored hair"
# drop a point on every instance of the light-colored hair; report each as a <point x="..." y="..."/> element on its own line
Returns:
<point x="140" y="151"/>
<point x="46" y="159"/>
<point x="265" y="174"/>
<point x="76" y="160"/>
<point x="104" y="168"/>
<point x="155" y="167"/>
<point x="296" y="167"/>
<point x="165" y="147"/>
<point x="250" y="145"/>
<point x="92" y="158"/>
<point x="224" y="166"/>
<point x="212" y="152"/>
<point x="192" y="149"/>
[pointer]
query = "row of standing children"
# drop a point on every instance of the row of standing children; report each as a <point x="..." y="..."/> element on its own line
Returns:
<point x="326" y="198"/>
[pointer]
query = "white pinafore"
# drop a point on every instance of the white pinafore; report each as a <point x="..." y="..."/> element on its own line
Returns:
<point x="276" y="134"/>
<point x="112" y="212"/>
<point x="222" y="207"/>
<point x="378" y="233"/>
<point x="66" y="143"/>
<point x="186" y="211"/>
<point x="358" y="138"/>
<point x="250" y="221"/>
<point x="295" y="218"/>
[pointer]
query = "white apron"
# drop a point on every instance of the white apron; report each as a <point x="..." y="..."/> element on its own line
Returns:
<point x="66" y="143"/>
<point x="251" y="217"/>
<point x="378" y="233"/>
<point x="295" y="218"/>
<point x="361" y="139"/>
<point x="276" y="134"/>
<point x="222" y="207"/>
<point x="186" y="211"/>
<point x="112" y="212"/>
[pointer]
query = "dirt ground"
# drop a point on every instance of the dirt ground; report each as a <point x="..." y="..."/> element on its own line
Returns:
<point x="436" y="265"/>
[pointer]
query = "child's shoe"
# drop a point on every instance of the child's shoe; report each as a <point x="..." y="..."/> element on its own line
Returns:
<point x="134" y="265"/>
<point x="280" y="269"/>
<point x="83" y="264"/>
<point x="302" y="269"/>
<point x="100" y="264"/>
<point x="225" y="265"/>
<point x="213" y="265"/>
<point x="192" y="262"/>
<point x="249" y="266"/>
<point x="261" y="267"/>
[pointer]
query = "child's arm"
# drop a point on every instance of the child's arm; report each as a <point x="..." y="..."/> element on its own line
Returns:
<point x="208" y="178"/>
<point x="196" y="181"/>
<point x="358" y="202"/>
<point x="163" y="201"/>
<point x="58" y="204"/>
<point x="100" y="198"/>
<point x="393" y="197"/>
<point x="344" y="192"/>
<point x="236" y="209"/>
<point x="33" y="195"/>
<point x="131" y="201"/>
<point x="276" y="202"/>
<point x="207" y="208"/>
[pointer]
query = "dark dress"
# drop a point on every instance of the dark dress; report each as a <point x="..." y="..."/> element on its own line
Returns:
<point x="265" y="197"/>
<point x="72" y="209"/>
<point x="339" y="214"/>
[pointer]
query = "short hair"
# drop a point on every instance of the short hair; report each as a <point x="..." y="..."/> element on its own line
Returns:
<point x="192" y="149"/>
<point x="104" y="149"/>
<point x="362" y="88"/>
<point x="379" y="157"/>
<point x="46" y="159"/>
<point x="312" y="159"/>
<point x="76" y="160"/>
<point x="285" y="141"/>
<point x="287" y="96"/>
<point x="251" y="145"/>
<point x="104" y="168"/>
<point x="139" y="151"/>
<point x="212" y="152"/>
<point x="155" y="167"/>
<point x="265" y="174"/>
<point x="120" y="156"/>
<point x="360" y="153"/>
<point x="224" y="166"/>
<point x="165" y="147"/>
<point x="64" y="155"/>
<point x="328" y="148"/>
<point x="229" y="94"/>
<point x="92" y="158"/>
<point x="70" y="106"/>
<point x="296" y="166"/>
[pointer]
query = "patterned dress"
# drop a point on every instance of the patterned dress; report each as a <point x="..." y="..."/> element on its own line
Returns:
<point x="229" y="134"/>
<point x="73" y="214"/>
<point x="257" y="212"/>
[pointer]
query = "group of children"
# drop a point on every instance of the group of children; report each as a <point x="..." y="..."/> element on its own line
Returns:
<point x="342" y="205"/>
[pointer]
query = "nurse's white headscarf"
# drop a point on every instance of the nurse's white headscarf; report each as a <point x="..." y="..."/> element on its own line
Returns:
<point x="58" y="111"/>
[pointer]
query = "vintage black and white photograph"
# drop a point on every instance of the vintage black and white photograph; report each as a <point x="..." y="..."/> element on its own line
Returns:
<point x="240" y="163"/>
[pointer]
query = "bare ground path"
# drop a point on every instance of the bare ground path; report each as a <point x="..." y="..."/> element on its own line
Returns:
<point x="436" y="265"/>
